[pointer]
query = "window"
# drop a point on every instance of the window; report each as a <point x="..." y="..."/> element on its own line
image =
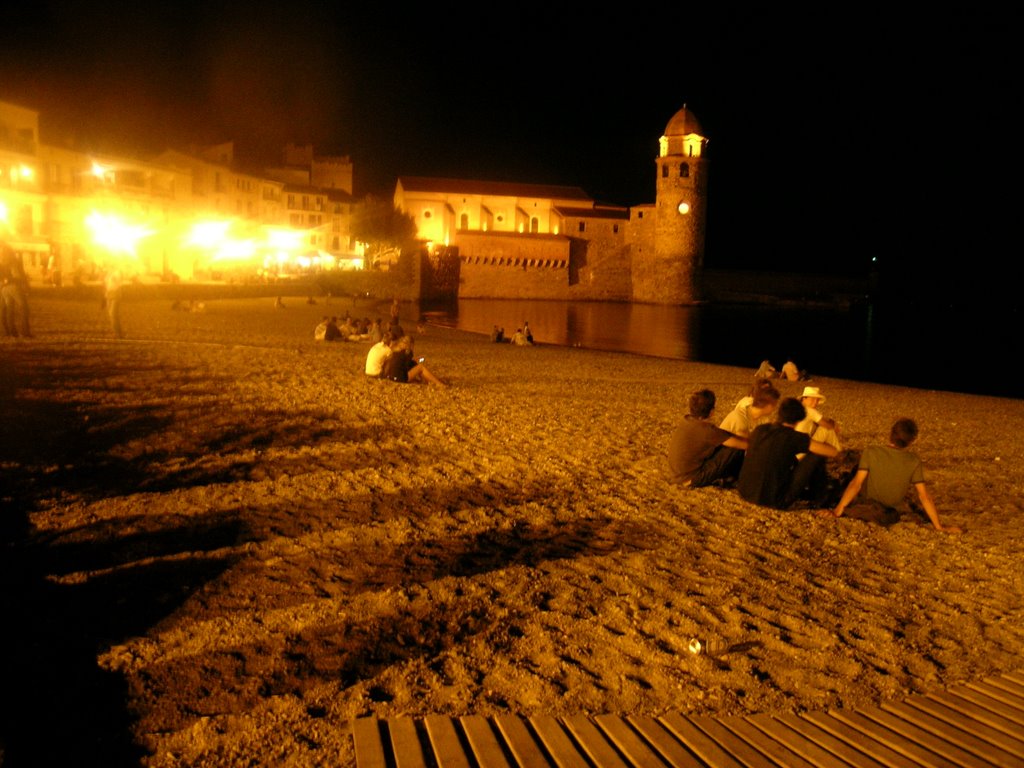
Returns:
<point x="583" y="226"/>
<point x="464" y="221"/>
<point x="664" y="171"/>
<point x="615" y="228"/>
<point x="534" y="225"/>
<point x="684" y="171"/>
<point x="427" y="214"/>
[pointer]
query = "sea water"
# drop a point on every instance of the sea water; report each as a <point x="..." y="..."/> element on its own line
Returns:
<point x="947" y="348"/>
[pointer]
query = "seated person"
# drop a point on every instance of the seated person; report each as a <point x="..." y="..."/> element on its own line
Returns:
<point x="816" y="425"/>
<point x="375" y="332"/>
<point x="378" y="356"/>
<point x="883" y="478"/>
<point x="701" y="453"/>
<point x="766" y="371"/>
<point x="320" y="332"/>
<point x="772" y="475"/>
<point x="753" y="410"/>
<point x="332" y="332"/>
<point x="520" y="339"/>
<point x="402" y="367"/>
<point x="791" y="373"/>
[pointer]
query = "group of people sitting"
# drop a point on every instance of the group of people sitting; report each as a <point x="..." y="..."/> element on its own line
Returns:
<point x="393" y="359"/>
<point x="350" y="329"/>
<point x="790" y="371"/>
<point x="523" y="337"/>
<point x="775" y="450"/>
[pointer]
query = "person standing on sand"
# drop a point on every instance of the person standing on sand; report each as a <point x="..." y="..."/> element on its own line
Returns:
<point x="13" y="293"/>
<point x="772" y="475"/>
<point x="113" y="291"/>
<point x="884" y="477"/>
<point x="700" y="453"/>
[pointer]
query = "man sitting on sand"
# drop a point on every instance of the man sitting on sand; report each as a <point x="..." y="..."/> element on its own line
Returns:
<point x="815" y="424"/>
<point x="883" y="478"/>
<point x="378" y="356"/>
<point x="701" y="453"/>
<point x="772" y="475"/>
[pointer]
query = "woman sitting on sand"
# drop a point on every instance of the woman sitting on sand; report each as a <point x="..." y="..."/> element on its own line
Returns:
<point x="402" y="367"/>
<point x="753" y="410"/>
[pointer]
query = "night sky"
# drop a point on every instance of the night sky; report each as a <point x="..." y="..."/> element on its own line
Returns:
<point x="834" y="138"/>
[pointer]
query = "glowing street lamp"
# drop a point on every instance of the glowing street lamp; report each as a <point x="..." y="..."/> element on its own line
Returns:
<point x="115" y="234"/>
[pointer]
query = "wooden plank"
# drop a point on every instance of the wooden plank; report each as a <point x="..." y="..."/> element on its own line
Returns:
<point x="593" y="743"/>
<point x="444" y="740"/>
<point x="671" y="748"/>
<point x="369" y="743"/>
<point x="954" y="734"/>
<point x="1007" y="685"/>
<point x="405" y="743"/>
<point x="831" y="746"/>
<point x="912" y="734"/>
<point x="728" y="742"/>
<point x="893" y="740"/>
<point x="524" y="747"/>
<point x="1016" y="675"/>
<point x="975" y="720"/>
<point x="559" y="745"/>
<point x="486" y="746"/>
<point x="628" y="742"/>
<point x="985" y="708"/>
<point x="999" y="694"/>
<point x="769" y="747"/>
<point x="859" y="740"/>
<point x="795" y="741"/>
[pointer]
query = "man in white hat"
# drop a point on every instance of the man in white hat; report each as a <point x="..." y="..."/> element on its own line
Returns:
<point x="816" y="425"/>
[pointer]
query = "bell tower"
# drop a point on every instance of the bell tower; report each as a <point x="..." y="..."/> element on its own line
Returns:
<point x="672" y="272"/>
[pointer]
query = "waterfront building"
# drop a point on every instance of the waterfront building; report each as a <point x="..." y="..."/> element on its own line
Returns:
<point x="552" y="242"/>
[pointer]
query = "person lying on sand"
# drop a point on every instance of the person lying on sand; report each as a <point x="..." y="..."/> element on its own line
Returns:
<point x="883" y="477"/>
<point x="701" y="453"/>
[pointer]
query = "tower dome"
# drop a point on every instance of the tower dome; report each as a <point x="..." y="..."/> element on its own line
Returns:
<point x="683" y="135"/>
<point x="683" y="123"/>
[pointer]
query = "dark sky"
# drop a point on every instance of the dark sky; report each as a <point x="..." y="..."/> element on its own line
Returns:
<point x="834" y="138"/>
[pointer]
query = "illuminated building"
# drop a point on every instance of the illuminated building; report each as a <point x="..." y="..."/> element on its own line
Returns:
<point x="552" y="242"/>
<point x="180" y="216"/>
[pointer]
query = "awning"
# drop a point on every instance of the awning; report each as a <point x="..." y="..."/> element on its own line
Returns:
<point x="27" y="245"/>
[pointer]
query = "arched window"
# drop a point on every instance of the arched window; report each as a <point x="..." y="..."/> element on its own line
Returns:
<point x="534" y="225"/>
<point x="684" y="171"/>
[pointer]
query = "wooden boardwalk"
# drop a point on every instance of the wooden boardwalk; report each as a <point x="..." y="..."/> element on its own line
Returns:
<point x="977" y="724"/>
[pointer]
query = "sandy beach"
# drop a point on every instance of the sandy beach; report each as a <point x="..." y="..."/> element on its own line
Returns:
<point x="222" y="542"/>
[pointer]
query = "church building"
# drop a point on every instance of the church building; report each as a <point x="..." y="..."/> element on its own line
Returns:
<point x="551" y="242"/>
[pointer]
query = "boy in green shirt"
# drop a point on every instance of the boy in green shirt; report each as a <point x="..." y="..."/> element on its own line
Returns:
<point x="883" y="478"/>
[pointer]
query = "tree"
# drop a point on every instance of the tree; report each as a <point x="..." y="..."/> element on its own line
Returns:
<point x="384" y="229"/>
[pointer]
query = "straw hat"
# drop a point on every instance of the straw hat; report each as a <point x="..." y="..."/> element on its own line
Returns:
<point x="813" y="392"/>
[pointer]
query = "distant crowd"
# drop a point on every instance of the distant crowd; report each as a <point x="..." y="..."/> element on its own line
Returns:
<point x="776" y="452"/>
